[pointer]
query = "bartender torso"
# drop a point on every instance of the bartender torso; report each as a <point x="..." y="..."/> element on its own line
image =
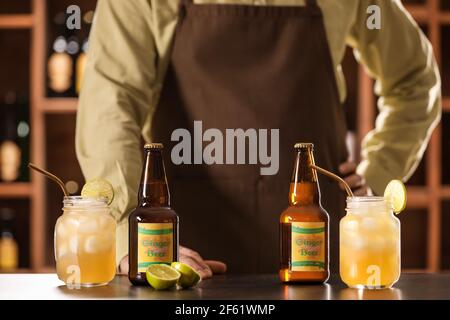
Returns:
<point x="158" y="66"/>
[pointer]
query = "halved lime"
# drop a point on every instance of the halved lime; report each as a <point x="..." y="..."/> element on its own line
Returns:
<point x="162" y="276"/>
<point x="98" y="188"/>
<point x="395" y="192"/>
<point x="189" y="277"/>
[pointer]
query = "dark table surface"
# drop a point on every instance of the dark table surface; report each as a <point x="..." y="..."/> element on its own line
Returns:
<point x="254" y="287"/>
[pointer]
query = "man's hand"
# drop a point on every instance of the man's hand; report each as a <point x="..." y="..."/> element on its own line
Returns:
<point x="356" y="182"/>
<point x="122" y="269"/>
<point x="206" y="268"/>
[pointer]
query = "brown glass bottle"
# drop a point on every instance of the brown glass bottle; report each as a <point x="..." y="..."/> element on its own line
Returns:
<point x="304" y="225"/>
<point x="153" y="225"/>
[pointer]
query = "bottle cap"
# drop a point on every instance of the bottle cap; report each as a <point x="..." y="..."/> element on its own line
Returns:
<point x="153" y="146"/>
<point x="303" y="145"/>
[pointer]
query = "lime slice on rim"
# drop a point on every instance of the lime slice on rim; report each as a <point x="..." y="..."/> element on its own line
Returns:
<point x="189" y="277"/>
<point x="98" y="188"/>
<point x="162" y="276"/>
<point x="395" y="192"/>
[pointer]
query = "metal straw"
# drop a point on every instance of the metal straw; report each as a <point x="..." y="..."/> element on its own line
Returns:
<point x="50" y="176"/>
<point x="335" y="177"/>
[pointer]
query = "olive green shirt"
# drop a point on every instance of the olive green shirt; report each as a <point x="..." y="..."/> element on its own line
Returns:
<point x="130" y="45"/>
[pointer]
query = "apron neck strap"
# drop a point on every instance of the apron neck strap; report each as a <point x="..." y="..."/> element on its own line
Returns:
<point x="311" y="3"/>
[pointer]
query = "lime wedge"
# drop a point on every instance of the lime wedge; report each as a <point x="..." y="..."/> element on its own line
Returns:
<point x="395" y="192"/>
<point x="98" y="188"/>
<point x="189" y="277"/>
<point x="162" y="276"/>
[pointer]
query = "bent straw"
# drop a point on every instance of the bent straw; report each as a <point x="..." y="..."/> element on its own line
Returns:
<point x="335" y="177"/>
<point x="50" y="176"/>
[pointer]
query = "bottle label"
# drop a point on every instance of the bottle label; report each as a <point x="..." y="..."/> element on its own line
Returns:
<point x="308" y="246"/>
<point x="155" y="244"/>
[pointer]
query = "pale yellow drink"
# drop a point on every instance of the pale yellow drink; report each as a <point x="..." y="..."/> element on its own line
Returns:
<point x="369" y="244"/>
<point x="85" y="243"/>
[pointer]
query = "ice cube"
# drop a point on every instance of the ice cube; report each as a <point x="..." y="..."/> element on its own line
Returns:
<point x="378" y="242"/>
<point x="353" y="271"/>
<point x="61" y="230"/>
<point x="61" y="250"/>
<point x="71" y="223"/>
<point x="370" y="223"/>
<point x="350" y="226"/>
<point x="106" y="222"/>
<point x="88" y="225"/>
<point x="392" y="241"/>
<point x="392" y="226"/>
<point x="73" y="244"/>
<point x="358" y="242"/>
<point x="94" y="244"/>
<point x="65" y="226"/>
<point x="353" y="240"/>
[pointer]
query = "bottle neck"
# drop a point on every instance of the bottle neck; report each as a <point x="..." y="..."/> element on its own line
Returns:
<point x="304" y="189"/>
<point x="153" y="189"/>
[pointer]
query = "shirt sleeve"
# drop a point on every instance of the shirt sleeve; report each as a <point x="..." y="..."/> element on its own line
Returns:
<point x="115" y="101"/>
<point x="400" y="58"/>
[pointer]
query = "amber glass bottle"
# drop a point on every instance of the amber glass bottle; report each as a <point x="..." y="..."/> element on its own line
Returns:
<point x="153" y="225"/>
<point x="304" y="225"/>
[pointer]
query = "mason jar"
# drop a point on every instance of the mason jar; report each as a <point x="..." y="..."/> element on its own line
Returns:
<point x="369" y="244"/>
<point x="85" y="242"/>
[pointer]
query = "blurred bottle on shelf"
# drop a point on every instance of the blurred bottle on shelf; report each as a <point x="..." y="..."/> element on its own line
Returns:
<point x="14" y="138"/>
<point x="60" y="63"/>
<point x="82" y="57"/>
<point x="10" y="153"/>
<point x="9" y="250"/>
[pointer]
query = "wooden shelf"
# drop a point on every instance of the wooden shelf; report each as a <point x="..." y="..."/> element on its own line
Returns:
<point x="444" y="17"/>
<point x="446" y="104"/>
<point x="16" y="21"/>
<point x="417" y="197"/>
<point x="59" y="105"/>
<point x="15" y="190"/>
<point x="419" y="12"/>
<point x="445" y="192"/>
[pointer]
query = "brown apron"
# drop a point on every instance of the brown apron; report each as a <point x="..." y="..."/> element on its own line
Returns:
<point x="261" y="67"/>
